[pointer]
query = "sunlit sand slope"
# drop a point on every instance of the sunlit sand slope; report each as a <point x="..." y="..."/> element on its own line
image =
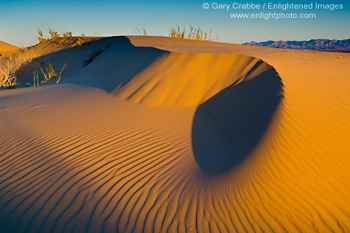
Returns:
<point x="5" y="47"/>
<point x="148" y="140"/>
<point x="179" y="79"/>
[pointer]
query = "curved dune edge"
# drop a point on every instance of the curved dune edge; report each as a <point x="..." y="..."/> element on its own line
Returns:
<point x="146" y="75"/>
<point x="180" y="79"/>
<point x="228" y="126"/>
<point x="74" y="158"/>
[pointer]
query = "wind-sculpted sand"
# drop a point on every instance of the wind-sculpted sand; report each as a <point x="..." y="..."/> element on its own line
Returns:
<point x="165" y="135"/>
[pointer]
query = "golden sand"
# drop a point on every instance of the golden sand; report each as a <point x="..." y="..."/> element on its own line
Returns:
<point x="170" y="135"/>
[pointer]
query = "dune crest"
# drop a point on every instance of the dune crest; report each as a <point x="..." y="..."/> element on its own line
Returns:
<point x="146" y="75"/>
<point x="179" y="79"/>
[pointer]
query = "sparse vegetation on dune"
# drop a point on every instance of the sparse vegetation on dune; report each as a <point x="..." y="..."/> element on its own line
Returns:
<point x="13" y="65"/>
<point x="67" y="34"/>
<point x="53" y="34"/>
<point x="41" y="35"/>
<point x="48" y="73"/>
<point x="8" y="75"/>
<point x="177" y="32"/>
<point x="64" y="36"/>
<point x="140" y="31"/>
<point x="81" y="40"/>
<point x="194" y="34"/>
<point x="36" y="80"/>
<point x="181" y="33"/>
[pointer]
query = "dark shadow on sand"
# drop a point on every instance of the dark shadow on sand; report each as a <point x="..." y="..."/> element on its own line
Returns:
<point x="228" y="126"/>
<point x="117" y="63"/>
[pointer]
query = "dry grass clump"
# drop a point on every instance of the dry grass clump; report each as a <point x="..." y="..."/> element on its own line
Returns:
<point x="53" y="35"/>
<point x="67" y="35"/>
<point x="81" y="40"/>
<point x="140" y="31"/>
<point x="48" y="73"/>
<point x="41" y="35"/>
<point x="8" y="77"/>
<point x="64" y="36"/>
<point x="11" y="66"/>
<point x="177" y="32"/>
<point x="14" y="64"/>
<point x="194" y="34"/>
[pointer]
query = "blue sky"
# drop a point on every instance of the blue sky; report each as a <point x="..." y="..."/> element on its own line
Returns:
<point x="19" y="19"/>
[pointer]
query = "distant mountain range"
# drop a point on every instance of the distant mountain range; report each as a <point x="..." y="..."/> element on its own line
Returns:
<point x="315" y="44"/>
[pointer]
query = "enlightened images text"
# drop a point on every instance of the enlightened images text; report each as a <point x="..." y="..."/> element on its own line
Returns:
<point x="276" y="6"/>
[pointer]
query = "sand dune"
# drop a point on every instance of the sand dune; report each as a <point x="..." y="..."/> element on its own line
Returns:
<point x="165" y="135"/>
<point x="6" y="47"/>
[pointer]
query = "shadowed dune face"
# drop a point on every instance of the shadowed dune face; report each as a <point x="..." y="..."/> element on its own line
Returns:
<point x="117" y="62"/>
<point x="229" y="125"/>
<point x="146" y="75"/>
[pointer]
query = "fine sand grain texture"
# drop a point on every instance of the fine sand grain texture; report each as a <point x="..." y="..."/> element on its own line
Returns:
<point x="153" y="134"/>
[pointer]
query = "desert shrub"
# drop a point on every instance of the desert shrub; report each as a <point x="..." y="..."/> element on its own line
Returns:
<point x="81" y="40"/>
<point x="8" y="75"/>
<point x="13" y="65"/>
<point x="41" y="35"/>
<point x="67" y="35"/>
<point x="53" y="35"/>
